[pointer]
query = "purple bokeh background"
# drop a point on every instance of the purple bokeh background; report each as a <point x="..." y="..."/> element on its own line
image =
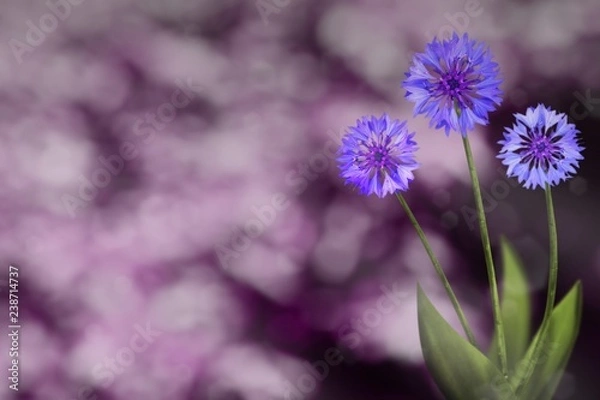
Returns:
<point x="172" y="202"/>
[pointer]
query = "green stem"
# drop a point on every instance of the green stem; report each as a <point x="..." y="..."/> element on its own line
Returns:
<point x="553" y="272"/>
<point x="489" y="262"/>
<point x="552" y="283"/>
<point x="438" y="270"/>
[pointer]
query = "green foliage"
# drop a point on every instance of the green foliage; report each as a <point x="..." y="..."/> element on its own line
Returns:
<point x="460" y="370"/>
<point x="515" y="306"/>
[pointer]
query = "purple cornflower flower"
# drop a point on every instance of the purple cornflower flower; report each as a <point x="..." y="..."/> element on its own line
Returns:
<point x="377" y="155"/>
<point x="541" y="148"/>
<point x="454" y="83"/>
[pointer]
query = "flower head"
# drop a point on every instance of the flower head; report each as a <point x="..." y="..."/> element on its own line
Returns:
<point x="454" y="83"/>
<point x="377" y="155"/>
<point x="541" y="148"/>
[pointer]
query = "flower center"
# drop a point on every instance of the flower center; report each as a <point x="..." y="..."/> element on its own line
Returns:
<point x="540" y="146"/>
<point x="452" y="83"/>
<point x="455" y="81"/>
<point x="378" y="156"/>
<point x="541" y="151"/>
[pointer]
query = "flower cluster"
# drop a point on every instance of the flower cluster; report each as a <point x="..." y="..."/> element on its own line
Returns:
<point x="455" y="83"/>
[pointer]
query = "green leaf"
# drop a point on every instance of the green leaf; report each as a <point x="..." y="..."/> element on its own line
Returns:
<point x="515" y="307"/>
<point x="558" y="345"/>
<point x="460" y="370"/>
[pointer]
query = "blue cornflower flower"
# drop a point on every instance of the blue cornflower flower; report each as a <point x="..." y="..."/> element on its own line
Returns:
<point x="454" y="83"/>
<point x="541" y="148"/>
<point x="377" y="155"/>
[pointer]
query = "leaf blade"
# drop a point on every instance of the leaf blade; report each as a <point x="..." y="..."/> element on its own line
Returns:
<point x="559" y="341"/>
<point x="515" y="307"/>
<point x="460" y="370"/>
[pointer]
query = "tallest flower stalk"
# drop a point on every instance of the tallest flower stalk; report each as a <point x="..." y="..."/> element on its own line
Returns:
<point x="455" y="83"/>
<point x="489" y="260"/>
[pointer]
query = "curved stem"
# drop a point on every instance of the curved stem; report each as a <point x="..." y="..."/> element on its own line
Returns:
<point x="438" y="270"/>
<point x="489" y="261"/>
<point x="552" y="283"/>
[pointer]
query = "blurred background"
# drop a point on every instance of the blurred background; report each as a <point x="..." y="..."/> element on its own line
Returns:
<point x="171" y="199"/>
